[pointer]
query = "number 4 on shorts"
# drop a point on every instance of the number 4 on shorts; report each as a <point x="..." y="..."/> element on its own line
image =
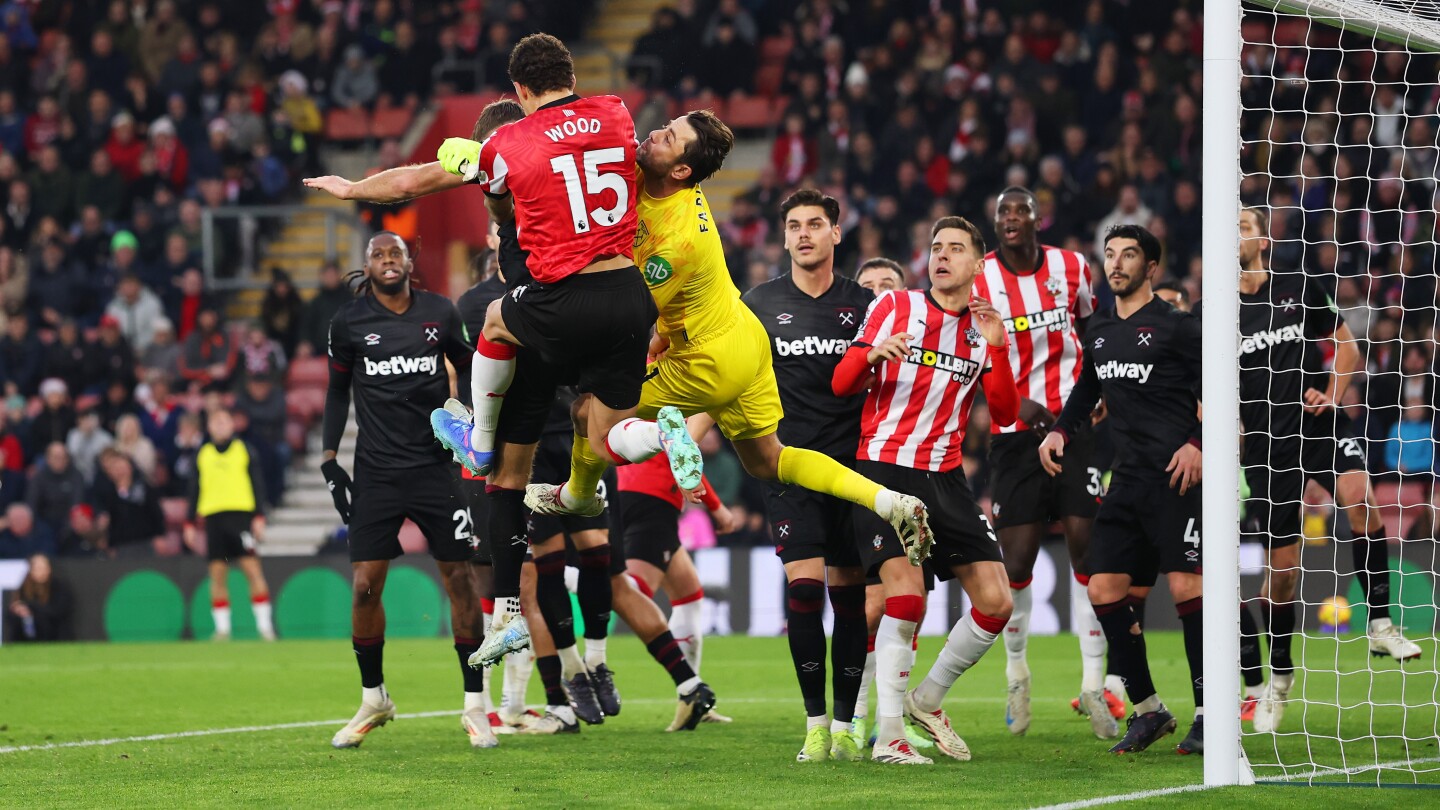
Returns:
<point x="1192" y="535"/>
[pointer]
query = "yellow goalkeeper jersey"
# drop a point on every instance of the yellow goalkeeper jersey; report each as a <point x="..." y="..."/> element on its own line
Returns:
<point x="677" y="247"/>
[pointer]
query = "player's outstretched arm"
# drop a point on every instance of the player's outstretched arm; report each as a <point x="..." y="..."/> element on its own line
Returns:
<point x="390" y="186"/>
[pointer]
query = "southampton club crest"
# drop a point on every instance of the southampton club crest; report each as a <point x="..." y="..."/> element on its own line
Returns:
<point x="973" y="337"/>
<point x="1053" y="286"/>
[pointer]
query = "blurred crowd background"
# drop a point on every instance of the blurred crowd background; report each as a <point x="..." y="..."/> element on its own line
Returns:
<point x="121" y="121"/>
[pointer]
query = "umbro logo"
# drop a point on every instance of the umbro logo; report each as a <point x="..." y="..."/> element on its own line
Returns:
<point x="784" y="318"/>
<point x="810" y="666"/>
<point x="372" y="339"/>
<point x="1099" y="342"/>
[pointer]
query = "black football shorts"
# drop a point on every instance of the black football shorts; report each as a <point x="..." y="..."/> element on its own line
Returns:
<point x="431" y="496"/>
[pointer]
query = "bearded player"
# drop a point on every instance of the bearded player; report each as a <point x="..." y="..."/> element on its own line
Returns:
<point x="390" y="346"/>
<point x="1044" y="295"/>
<point x="1293" y="435"/>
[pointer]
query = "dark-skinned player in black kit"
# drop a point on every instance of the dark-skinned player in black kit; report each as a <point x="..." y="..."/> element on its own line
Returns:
<point x="389" y="346"/>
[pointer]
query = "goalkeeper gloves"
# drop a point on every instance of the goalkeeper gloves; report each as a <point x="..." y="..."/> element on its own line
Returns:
<point x="460" y="156"/>
<point x="338" y="483"/>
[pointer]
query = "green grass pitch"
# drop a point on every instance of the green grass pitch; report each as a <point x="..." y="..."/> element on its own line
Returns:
<point x="76" y="692"/>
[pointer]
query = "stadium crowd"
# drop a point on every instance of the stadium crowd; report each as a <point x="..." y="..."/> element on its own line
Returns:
<point x="909" y="111"/>
<point x="119" y="122"/>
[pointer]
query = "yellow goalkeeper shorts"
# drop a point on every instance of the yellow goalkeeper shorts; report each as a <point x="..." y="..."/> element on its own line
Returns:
<point x="728" y="374"/>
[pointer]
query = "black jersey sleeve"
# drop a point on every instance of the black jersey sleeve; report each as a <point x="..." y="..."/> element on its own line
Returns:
<point x="456" y="348"/>
<point x="1188" y="347"/>
<point x="1322" y="316"/>
<point x="1082" y="397"/>
<point x="337" y="395"/>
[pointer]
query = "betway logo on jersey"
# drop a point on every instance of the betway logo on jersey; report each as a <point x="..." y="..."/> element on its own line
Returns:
<point x="1271" y="337"/>
<point x="962" y="369"/>
<point x="1116" y="370"/>
<point x="1054" y="320"/>
<point x="402" y="365"/>
<point x="811" y="345"/>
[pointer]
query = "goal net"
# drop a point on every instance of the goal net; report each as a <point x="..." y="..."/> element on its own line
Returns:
<point x="1339" y="105"/>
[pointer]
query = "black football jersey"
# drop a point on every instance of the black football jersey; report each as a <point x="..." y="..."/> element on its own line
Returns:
<point x="1279" y="324"/>
<point x="397" y="368"/>
<point x="1147" y="367"/>
<point x="808" y="336"/>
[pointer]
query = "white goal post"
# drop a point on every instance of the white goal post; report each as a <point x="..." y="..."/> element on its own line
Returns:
<point x="1412" y="27"/>
<point x="1220" y="243"/>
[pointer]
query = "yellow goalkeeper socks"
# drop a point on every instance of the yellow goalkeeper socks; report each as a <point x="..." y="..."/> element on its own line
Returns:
<point x="585" y="469"/>
<point x="820" y="473"/>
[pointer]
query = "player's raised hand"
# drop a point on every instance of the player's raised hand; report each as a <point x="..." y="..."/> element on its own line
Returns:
<point x="893" y="348"/>
<point x="337" y="187"/>
<point x="457" y="155"/>
<point x="1316" y="402"/>
<point x="1185" y="467"/>
<point x="1052" y="448"/>
<point x="988" y="321"/>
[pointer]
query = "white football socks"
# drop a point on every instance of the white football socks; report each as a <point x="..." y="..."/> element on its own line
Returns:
<point x="1017" y="634"/>
<point x="634" y="440"/>
<point x="1092" y="641"/>
<point x="867" y="677"/>
<point x="594" y="652"/>
<point x="489" y="380"/>
<point x="968" y="641"/>
<point x="685" y="627"/>
<point x="221" y="615"/>
<point x="894" y="658"/>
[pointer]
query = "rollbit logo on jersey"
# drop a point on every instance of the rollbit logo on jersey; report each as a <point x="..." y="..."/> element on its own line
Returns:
<point x="1054" y="320"/>
<point x="402" y="365"/>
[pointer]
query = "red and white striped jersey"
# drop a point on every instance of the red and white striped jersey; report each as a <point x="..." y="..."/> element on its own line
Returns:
<point x="917" y="409"/>
<point x="1040" y="309"/>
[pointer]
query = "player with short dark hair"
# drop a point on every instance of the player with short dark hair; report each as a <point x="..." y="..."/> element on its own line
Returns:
<point x="1294" y="434"/>
<point x="881" y="275"/>
<point x="921" y="354"/>
<point x="1143" y="356"/>
<point x="1174" y="294"/>
<point x="390" y="345"/>
<point x="1044" y="294"/>
<point x="225" y="493"/>
<point x="565" y="174"/>
<point x="811" y="314"/>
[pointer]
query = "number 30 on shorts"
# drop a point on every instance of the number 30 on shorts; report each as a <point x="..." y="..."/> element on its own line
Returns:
<point x="464" y="529"/>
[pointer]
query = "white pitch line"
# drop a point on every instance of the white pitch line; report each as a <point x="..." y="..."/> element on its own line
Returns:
<point x="211" y="732"/>
<point x="1295" y="777"/>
